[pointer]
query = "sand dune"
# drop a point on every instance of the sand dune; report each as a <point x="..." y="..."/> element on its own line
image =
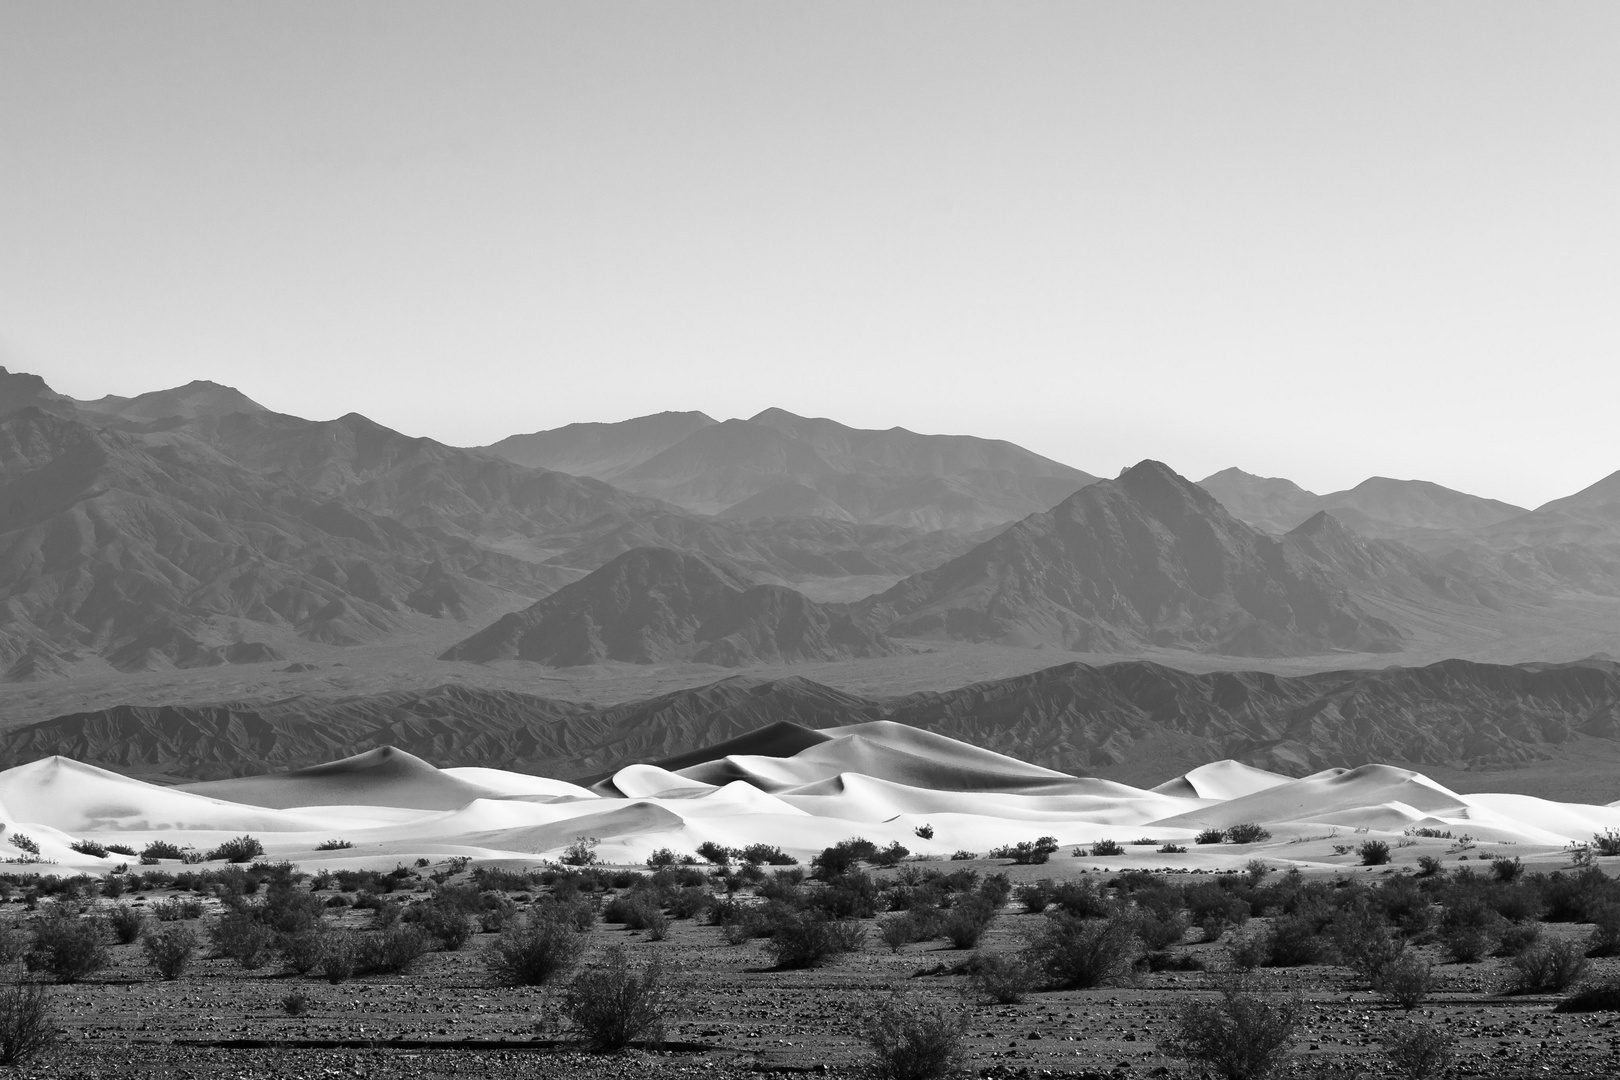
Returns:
<point x="883" y="781"/>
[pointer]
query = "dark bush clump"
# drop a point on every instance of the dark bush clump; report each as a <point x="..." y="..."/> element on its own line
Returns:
<point x="1419" y="1051"/>
<point x="1027" y="852"/>
<point x="67" y="948"/>
<point x="1243" y="1036"/>
<point x="1106" y="847"/>
<point x="967" y="920"/>
<point x="90" y="848"/>
<point x="238" y="850"/>
<point x="1549" y="967"/>
<point x="808" y="939"/>
<point x="1247" y="833"/>
<point x="1210" y="836"/>
<point x="614" y="1006"/>
<point x="912" y="1043"/>
<point x="535" y="952"/>
<point x="1002" y="978"/>
<point x="27" y="1025"/>
<point x="1373" y="852"/>
<point x="1077" y="954"/>
<point x="126" y="923"/>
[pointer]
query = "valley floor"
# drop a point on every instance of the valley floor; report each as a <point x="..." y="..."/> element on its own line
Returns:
<point x="735" y="1017"/>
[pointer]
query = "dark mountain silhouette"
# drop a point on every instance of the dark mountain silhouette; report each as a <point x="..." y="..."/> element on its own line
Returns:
<point x="778" y="464"/>
<point x="1136" y="722"/>
<point x="146" y="548"/>
<point x="1147" y="558"/>
<point x="654" y="604"/>
<point x="20" y="390"/>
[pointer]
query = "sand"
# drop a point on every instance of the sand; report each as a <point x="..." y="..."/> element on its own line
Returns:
<point x="881" y="781"/>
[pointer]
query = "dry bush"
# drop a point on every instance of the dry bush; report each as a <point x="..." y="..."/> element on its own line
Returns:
<point x="910" y="1042"/>
<point x="1407" y="980"/>
<point x="169" y="950"/>
<point x="1077" y="954"/>
<point x="1419" y="1051"/>
<point x="126" y="923"/>
<point x="1003" y="978"/>
<point x="967" y="920"/>
<point x="803" y="940"/>
<point x="1244" y="1035"/>
<point x="614" y="1006"/>
<point x="27" y="1023"/>
<point x="1549" y="967"/>
<point x="534" y="953"/>
<point x="390" y="952"/>
<point x="67" y="948"/>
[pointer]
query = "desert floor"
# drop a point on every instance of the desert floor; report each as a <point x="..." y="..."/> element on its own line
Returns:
<point x="735" y="1016"/>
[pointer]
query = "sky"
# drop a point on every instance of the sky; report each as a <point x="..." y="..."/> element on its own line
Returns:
<point x="1322" y="241"/>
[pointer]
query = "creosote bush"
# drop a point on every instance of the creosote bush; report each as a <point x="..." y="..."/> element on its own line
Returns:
<point x="1002" y="978"/>
<point x="238" y="850"/>
<point x="614" y="1006"/>
<point x="1247" y="832"/>
<point x="1547" y="967"/>
<point x="169" y="950"/>
<point x="1244" y="1035"/>
<point x="809" y="939"/>
<point x="1419" y="1051"/>
<point x="534" y="952"/>
<point x="67" y="948"/>
<point x="1407" y="981"/>
<point x="27" y="1023"/>
<point x="1373" y="852"/>
<point x="910" y="1042"/>
<point x="1077" y="954"/>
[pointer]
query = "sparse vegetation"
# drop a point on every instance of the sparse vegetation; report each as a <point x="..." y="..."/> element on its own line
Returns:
<point x="67" y="948"/>
<point x="241" y="849"/>
<point x="333" y="845"/>
<point x="27" y="1022"/>
<point x="534" y="953"/>
<point x="1419" y="1051"/>
<point x="1244" y="1035"/>
<point x="911" y="1042"/>
<point x="1027" y="852"/>
<point x="1247" y="833"/>
<point x="614" y="1006"/>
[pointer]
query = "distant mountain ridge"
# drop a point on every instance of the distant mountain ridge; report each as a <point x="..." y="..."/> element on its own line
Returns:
<point x="778" y="464"/>
<point x="1132" y="722"/>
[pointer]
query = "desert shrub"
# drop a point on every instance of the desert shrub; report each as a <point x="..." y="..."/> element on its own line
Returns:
<point x="1294" y="941"/>
<point x="339" y="956"/>
<point x="450" y="925"/>
<point x="967" y="920"/>
<point x="1242" y="1036"/>
<point x="236" y="933"/>
<point x="1249" y="951"/>
<point x="851" y="895"/>
<point x="126" y="923"/>
<point x="711" y="852"/>
<point x="892" y="855"/>
<point x="910" y="1042"/>
<point x="1106" y="847"/>
<point x="240" y="849"/>
<point x="1160" y="929"/>
<point x="67" y="948"/>
<point x="27" y="1022"/>
<point x="295" y="1003"/>
<point x="1469" y="928"/>
<point x="162" y="849"/>
<point x="1468" y="944"/>
<point x="169" y="950"/>
<point x="176" y="908"/>
<point x="1507" y="871"/>
<point x="389" y="952"/>
<point x="1516" y="938"/>
<point x="924" y="832"/>
<point x="1027" y="852"/>
<point x="768" y="854"/>
<point x="1036" y="896"/>
<point x="1363" y="941"/>
<point x="1082" y="898"/>
<point x="1003" y="978"/>
<point x="1077" y="954"/>
<point x="1429" y="865"/>
<point x="964" y="856"/>
<point x="1247" y="832"/>
<point x="535" y="952"/>
<point x="23" y="842"/>
<point x="582" y="852"/>
<point x="1419" y="1051"/>
<point x="808" y="939"/>
<point x="897" y="931"/>
<point x="334" y="845"/>
<point x="90" y="848"/>
<point x="1214" y="909"/>
<point x="1172" y="849"/>
<point x="614" y="1006"/>
<point x="1407" y="981"/>
<point x="1548" y="967"/>
<point x="1373" y="852"/>
<point x="1210" y="836"/>
<point x="1606" y="842"/>
<point x="635" y="910"/>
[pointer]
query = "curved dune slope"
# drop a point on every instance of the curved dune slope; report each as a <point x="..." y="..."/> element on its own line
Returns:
<point x="787" y="786"/>
<point x="381" y="777"/>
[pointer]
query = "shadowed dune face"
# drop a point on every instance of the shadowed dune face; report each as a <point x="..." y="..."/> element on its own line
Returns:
<point x="790" y="787"/>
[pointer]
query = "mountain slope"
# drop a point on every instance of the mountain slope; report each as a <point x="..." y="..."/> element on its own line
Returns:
<point x="1149" y="557"/>
<point x="600" y="450"/>
<point x="197" y="398"/>
<point x="1131" y="722"/>
<point x="653" y="604"/>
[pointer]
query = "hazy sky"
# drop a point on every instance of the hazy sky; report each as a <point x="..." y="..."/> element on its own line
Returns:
<point x="1314" y="240"/>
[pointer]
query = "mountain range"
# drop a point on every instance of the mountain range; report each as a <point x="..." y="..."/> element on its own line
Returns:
<point x="193" y="527"/>
<point x="1129" y="721"/>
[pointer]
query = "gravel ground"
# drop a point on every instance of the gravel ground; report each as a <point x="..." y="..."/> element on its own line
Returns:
<point x="736" y="1017"/>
